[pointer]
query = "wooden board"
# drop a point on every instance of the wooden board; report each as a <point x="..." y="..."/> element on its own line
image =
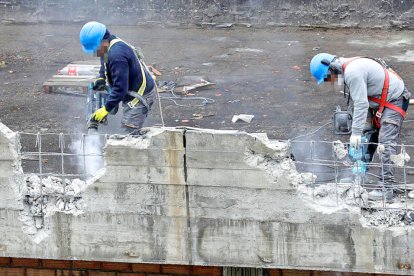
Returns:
<point x="73" y="85"/>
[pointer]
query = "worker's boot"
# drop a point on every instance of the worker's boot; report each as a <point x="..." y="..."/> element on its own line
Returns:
<point x="382" y="192"/>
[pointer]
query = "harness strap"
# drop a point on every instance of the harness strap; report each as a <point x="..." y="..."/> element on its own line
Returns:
<point x="389" y="105"/>
<point x="143" y="86"/>
<point x="348" y="62"/>
<point x="139" y="97"/>
<point x="384" y="94"/>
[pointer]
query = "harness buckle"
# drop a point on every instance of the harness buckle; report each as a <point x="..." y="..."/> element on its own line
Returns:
<point x="378" y="114"/>
<point x="130" y="104"/>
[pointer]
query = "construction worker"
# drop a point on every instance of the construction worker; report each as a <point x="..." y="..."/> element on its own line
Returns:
<point x="377" y="93"/>
<point x="127" y="76"/>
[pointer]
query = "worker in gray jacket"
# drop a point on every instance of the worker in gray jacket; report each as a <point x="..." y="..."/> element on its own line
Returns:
<point x="377" y="93"/>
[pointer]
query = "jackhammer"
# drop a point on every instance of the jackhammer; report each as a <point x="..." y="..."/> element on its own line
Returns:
<point x="95" y="100"/>
<point x="364" y="154"/>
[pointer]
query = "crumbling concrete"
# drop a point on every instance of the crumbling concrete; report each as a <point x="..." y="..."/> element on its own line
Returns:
<point x="180" y="196"/>
<point x="220" y="14"/>
<point x="43" y="198"/>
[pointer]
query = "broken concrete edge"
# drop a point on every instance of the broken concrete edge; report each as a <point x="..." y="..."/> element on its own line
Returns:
<point x="269" y="156"/>
<point x="10" y="138"/>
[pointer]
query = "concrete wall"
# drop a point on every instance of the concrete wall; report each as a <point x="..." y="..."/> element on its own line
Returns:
<point x="326" y="13"/>
<point x="200" y="197"/>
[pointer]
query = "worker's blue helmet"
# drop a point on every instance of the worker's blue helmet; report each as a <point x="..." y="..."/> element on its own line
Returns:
<point x="318" y="69"/>
<point x="91" y="36"/>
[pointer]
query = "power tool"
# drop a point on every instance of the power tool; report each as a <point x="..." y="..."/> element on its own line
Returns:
<point x="95" y="100"/>
<point x="365" y="152"/>
<point x="342" y="121"/>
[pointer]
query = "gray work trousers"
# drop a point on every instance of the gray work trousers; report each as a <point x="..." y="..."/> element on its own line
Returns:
<point x="133" y="118"/>
<point x="391" y="122"/>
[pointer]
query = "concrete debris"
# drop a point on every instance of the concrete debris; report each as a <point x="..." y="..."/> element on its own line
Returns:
<point x="355" y="196"/>
<point x="409" y="217"/>
<point x="411" y="195"/>
<point x="247" y="50"/>
<point x="329" y="198"/>
<point x="247" y="25"/>
<point x="53" y="194"/>
<point x="321" y="191"/>
<point x="44" y="197"/>
<point x="272" y="157"/>
<point x="340" y="150"/>
<point x="380" y="149"/>
<point x="225" y="25"/>
<point x="400" y="159"/>
<point x="302" y="178"/>
<point x="187" y="83"/>
<point x="242" y="117"/>
<point x="279" y="168"/>
<point x="139" y="142"/>
<point x="385" y="218"/>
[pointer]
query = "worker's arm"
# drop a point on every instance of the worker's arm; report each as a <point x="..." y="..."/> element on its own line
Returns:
<point x="358" y="90"/>
<point x="119" y="69"/>
<point x="100" y="82"/>
<point x="102" y="69"/>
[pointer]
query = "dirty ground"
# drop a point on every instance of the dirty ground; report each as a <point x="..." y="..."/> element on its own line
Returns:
<point x="260" y="72"/>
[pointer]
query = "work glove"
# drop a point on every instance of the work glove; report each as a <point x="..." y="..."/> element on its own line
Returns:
<point x="100" y="114"/>
<point x="355" y="141"/>
<point x="99" y="84"/>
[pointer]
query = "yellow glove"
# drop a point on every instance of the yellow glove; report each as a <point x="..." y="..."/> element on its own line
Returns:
<point x="100" y="114"/>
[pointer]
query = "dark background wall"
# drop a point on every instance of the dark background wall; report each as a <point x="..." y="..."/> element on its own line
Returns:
<point x="325" y="13"/>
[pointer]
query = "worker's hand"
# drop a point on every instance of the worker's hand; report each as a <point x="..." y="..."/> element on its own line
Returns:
<point x="355" y="141"/>
<point x="99" y="84"/>
<point x="100" y="114"/>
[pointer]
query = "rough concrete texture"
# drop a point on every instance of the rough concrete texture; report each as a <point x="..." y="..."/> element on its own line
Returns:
<point x="181" y="196"/>
<point x="222" y="14"/>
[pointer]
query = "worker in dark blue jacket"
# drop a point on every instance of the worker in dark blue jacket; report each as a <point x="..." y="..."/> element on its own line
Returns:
<point x="127" y="76"/>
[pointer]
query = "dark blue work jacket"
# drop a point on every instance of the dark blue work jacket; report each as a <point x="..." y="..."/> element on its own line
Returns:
<point x="123" y="74"/>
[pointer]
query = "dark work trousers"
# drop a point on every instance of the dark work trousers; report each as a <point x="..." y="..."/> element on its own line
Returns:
<point x="133" y="118"/>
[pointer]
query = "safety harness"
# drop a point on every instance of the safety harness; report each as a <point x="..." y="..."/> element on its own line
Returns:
<point x="376" y="120"/>
<point x="137" y="95"/>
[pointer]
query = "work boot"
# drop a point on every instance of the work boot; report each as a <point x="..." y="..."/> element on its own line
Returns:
<point x="380" y="194"/>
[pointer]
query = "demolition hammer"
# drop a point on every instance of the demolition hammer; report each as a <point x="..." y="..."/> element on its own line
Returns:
<point x="343" y="125"/>
<point x="95" y="100"/>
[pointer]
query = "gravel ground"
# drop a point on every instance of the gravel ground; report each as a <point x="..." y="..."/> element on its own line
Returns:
<point x="263" y="72"/>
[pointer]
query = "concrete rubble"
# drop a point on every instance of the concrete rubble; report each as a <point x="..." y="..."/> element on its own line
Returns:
<point x="178" y="195"/>
<point x="340" y="150"/>
<point x="400" y="159"/>
<point x="42" y="198"/>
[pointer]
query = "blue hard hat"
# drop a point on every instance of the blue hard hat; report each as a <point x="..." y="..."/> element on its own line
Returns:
<point x="318" y="69"/>
<point x="91" y="36"/>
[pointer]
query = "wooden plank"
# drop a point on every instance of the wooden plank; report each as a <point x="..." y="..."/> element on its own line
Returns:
<point x="82" y="77"/>
<point x="87" y="62"/>
<point x="66" y="83"/>
<point x="63" y="83"/>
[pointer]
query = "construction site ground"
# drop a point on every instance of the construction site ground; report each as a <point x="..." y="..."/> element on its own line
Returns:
<point x="262" y="72"/>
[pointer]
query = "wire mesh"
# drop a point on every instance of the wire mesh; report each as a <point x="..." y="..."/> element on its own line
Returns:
<point x="341" y="181"/>
<point x="56" y="167"/>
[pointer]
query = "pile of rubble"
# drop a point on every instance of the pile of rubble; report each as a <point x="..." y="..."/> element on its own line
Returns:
<point x="53" y="194"/>
<point x="388" y="218"/>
